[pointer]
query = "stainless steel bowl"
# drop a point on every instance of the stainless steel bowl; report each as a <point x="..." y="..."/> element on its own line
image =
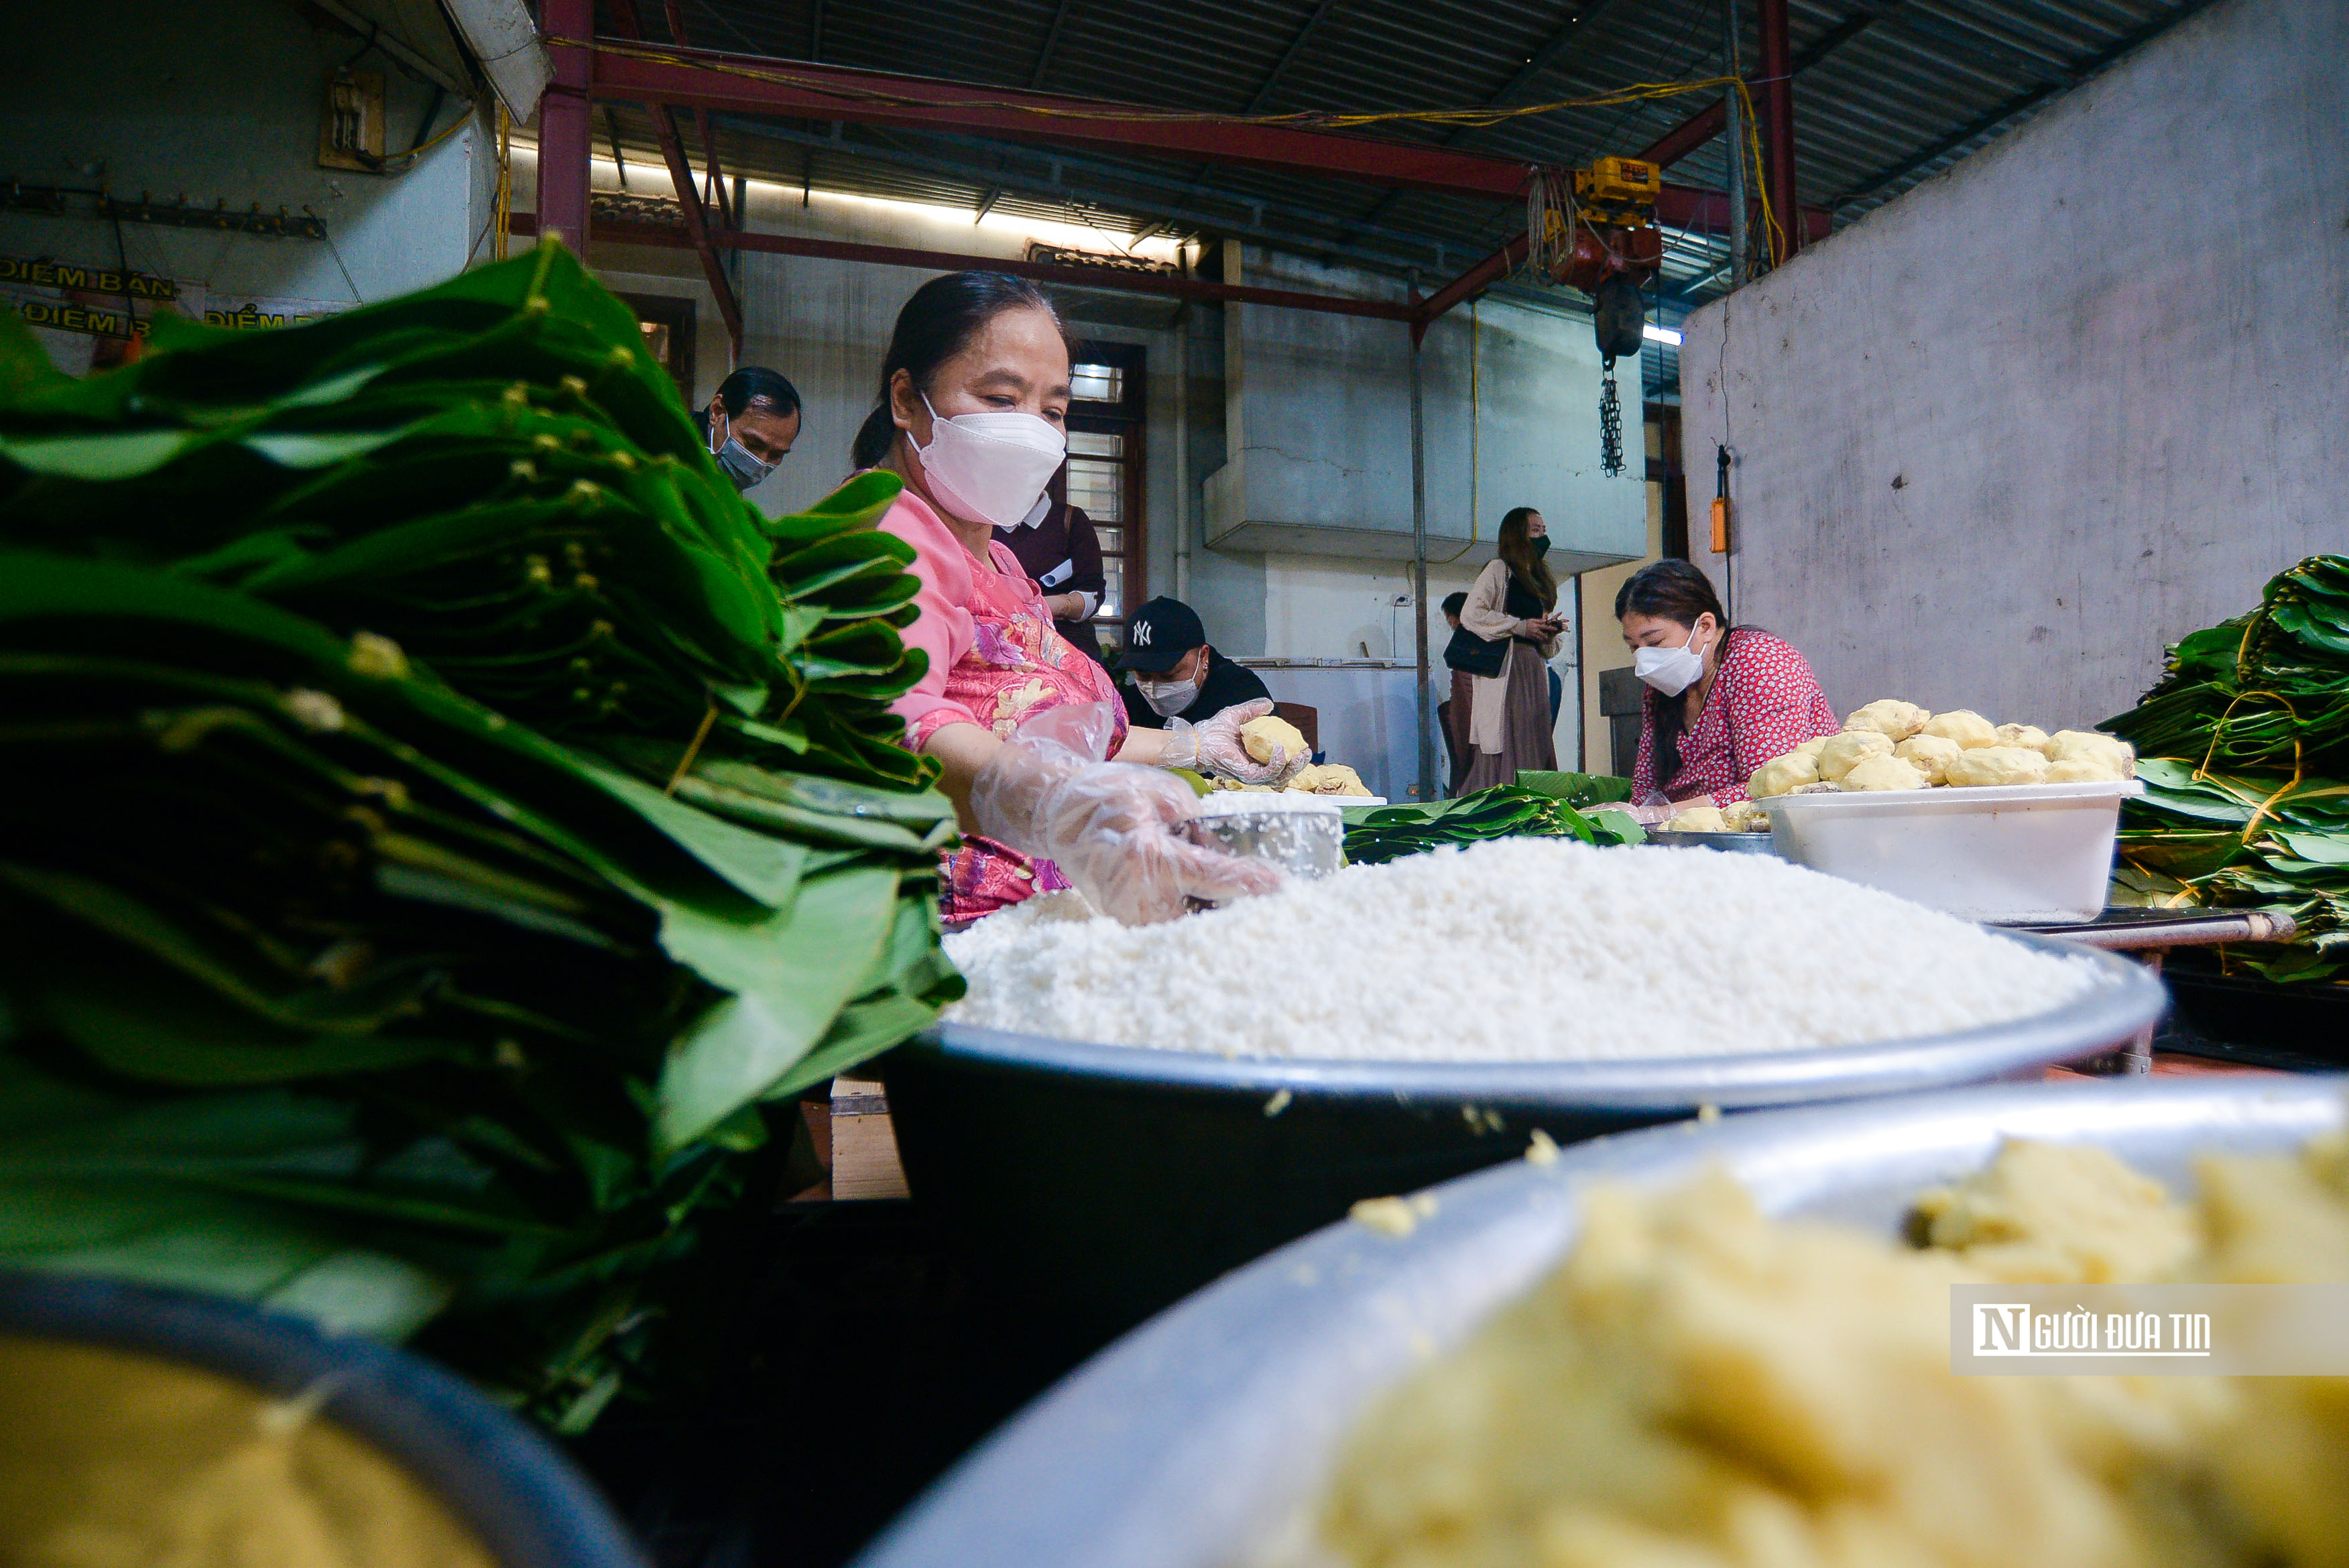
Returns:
<point x="1734" y="844"/>
<point x="1200" y="1441"/>
<point x="1098" y="1183"/>
<point x="1303" y="841"/>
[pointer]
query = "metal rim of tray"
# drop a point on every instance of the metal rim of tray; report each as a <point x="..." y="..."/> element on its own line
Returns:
<point x="2126" y="1000"/>
<point x="1954" y="798"/>
<point x="1761" y="844"/>
<point x="1160" y="1453"/>
<point x="523" y="1501"/>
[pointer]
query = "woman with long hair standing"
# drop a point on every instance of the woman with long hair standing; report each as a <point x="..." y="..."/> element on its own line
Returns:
<point x="1053" y="788"/>
<point x="1722" y="700"/>
<point x="1513" y="609"/>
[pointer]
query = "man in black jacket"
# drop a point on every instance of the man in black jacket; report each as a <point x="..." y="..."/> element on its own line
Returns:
<point x="1173" y="673"/>
<point x="1055" y="545"/>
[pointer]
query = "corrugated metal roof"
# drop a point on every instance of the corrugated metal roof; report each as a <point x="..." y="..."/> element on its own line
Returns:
<point x="1886" y="94"/>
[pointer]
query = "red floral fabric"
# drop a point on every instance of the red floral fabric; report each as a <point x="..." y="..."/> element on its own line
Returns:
<point x="1765" y="701"/>
<point x="982" y="876"/>
<point x="995" y="658"/>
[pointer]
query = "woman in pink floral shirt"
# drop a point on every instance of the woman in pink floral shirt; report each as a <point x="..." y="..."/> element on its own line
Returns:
<point x="974" y="396"/>
<point x="1722" y="700"/>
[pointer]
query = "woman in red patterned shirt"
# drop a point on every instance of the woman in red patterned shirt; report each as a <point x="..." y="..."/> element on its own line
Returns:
<point x="1722" y="700"/>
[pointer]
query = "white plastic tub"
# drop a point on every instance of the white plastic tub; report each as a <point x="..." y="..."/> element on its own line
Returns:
<point x="2020" y="852"/>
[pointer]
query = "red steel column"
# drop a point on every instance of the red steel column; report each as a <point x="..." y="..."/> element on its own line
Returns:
<point x="565" y="133"/>
<point x="1778" y="121"/>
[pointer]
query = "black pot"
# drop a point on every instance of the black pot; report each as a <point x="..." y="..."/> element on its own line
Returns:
<point x="1096" y="1185"/>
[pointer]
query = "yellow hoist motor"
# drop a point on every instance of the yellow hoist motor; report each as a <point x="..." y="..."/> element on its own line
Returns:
<point x="1618" y="191"/>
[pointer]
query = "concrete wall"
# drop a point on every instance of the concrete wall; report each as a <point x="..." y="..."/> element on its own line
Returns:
<point x="1318" y="422"/>
<point x="1601" y="639"/>
<point x="2002" y="440"/>
<point x="826" y="324"/>
<point x="221" y="103"/>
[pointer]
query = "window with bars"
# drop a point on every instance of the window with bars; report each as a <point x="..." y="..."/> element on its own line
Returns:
<point x="1105" y="473"/>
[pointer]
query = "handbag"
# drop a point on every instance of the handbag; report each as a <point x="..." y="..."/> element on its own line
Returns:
<point x="1473" y="656"/>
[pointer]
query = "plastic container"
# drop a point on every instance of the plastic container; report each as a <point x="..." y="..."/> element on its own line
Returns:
<point x="2019" y="854"/>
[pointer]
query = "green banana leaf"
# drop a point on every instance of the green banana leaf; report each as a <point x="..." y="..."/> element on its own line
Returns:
<point x="447" y="826"/>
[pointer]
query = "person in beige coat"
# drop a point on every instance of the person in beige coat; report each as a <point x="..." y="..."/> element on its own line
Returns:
<point x="1515" y="600"/>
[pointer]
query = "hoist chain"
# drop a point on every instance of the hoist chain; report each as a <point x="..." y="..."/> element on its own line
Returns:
<point x="1611" y="425"/>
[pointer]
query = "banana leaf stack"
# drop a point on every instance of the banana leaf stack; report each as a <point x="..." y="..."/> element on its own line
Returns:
<point x="2266" y="692"/>
<point x="1376" y="834"/>
<point x="442" y="826"/>
<point x="2244" y="750"/>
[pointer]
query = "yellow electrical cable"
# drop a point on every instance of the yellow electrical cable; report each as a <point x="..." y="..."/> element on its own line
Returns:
<point x="1774" y="232"/>
<point x="505" y="179"/>
<point x="459" y="123"/>
<point x="1475" y="116"/>
<point x="1774" y="237"/>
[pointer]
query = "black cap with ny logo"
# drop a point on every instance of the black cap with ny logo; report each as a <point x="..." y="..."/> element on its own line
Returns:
<point x="1158" y="634"/>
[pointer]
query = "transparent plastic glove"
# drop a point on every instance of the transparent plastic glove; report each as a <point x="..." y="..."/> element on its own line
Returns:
<point x="1181" y="748"/>
<point x="1225" y="750"/>
<point x="1113" y="828"/>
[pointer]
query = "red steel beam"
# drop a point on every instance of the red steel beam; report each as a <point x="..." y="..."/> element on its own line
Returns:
<point x="1489" y="270"/>
<point x="1686" y="137"/>
<point x="675" y="15"/>
<point x="689" y="195"/>
<point x="1705" y="124"/>
<point x="1706" y="210"/>
<point x="832" y="92"/>
<point x="566" y="136"/>
<point x="1778" y="120"/>
<point x="871" y="98"/>
<point x="950" y="261"/>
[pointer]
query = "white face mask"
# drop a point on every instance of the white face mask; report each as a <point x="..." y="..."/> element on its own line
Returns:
<point x="991" y="467"/>
<point x="1671" y="671"/>
<point x="1167" y="699"/>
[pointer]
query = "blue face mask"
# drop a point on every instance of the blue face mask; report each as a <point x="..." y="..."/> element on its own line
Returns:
<point x="743" y="466"/>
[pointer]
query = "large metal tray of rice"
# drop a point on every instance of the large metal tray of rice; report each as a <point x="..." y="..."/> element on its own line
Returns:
<point x="1256" y="1424"/>
<point x="1115" y="1115"/>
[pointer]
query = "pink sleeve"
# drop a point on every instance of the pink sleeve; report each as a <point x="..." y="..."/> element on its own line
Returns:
<point x="1775" y="707"/>
<point x="943" y="629"/>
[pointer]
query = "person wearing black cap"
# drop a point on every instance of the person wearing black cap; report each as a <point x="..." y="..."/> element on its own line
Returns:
<point x="1173" y="673"/>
